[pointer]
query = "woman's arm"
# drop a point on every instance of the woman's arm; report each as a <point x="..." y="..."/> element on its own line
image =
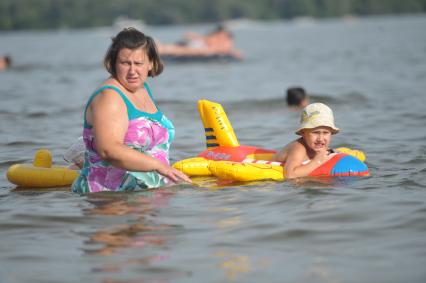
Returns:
<point x="108" y="115"/>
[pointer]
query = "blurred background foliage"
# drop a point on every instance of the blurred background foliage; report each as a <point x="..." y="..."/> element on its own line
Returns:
<point x="53" y="14"/>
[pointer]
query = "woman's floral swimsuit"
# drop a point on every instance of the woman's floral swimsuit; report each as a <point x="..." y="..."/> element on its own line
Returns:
<point x="148" y="133"/>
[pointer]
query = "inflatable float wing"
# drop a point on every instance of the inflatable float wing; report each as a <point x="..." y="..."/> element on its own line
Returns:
<point x="226" y="159"/>
<point x="41" y="173"/>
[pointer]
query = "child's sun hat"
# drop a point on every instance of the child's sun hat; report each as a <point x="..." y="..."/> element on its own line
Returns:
<point x="317" y="115"/>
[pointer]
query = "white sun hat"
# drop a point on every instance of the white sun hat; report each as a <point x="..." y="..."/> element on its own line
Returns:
<point x="317" y="115"/>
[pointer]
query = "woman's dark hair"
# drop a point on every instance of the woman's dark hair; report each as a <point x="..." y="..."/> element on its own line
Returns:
<point x="132" y="38"/>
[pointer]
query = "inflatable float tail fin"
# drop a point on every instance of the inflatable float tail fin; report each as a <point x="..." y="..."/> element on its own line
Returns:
<point x="218" y="129"/>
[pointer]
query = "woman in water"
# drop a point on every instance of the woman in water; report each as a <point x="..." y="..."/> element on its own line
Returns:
<point x="127" y="137"/>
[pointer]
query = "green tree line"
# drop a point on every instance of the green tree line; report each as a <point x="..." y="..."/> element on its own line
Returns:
<point x="53" y="14"/>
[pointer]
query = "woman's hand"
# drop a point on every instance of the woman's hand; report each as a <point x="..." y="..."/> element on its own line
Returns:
<point x="173" y="174"/>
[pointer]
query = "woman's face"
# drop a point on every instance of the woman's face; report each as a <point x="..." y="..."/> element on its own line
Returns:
<point x="132" y="67"/>
<point x="317" y="139"/>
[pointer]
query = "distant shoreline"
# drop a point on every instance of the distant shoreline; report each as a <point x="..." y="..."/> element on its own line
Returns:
<point x="71" y="14"/>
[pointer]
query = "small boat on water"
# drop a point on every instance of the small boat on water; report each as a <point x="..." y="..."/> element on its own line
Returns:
<point x="217" y="45"/>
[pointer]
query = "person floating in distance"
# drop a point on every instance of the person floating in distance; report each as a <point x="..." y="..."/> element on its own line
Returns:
<point x="297" y="97"/>
<point x="217" y="42"/>
<point x="5" y="62"/>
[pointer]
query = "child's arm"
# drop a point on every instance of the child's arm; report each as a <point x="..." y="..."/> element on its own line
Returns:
<point x="280" y="156"/>
<point x="297" y="155"/>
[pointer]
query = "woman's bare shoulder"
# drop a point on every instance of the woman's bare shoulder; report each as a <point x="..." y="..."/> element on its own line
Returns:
<point x="108" y="100"/>
<point x="108" y="94"/>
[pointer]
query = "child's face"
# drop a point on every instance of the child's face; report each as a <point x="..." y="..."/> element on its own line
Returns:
<point x="317" y="139"/>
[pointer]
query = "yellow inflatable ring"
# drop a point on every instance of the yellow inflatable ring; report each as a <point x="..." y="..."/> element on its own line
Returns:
<point x="41" y="173"/>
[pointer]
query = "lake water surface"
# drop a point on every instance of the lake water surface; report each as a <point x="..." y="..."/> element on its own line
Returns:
<point x="372" y="72"/>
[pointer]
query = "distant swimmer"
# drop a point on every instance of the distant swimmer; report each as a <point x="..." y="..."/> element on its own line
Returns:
<point x="297" y="97"/>
<point x="5" y="62"/>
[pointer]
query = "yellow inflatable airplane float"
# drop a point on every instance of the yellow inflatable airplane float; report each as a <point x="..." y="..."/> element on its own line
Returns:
<point x="226" y="159"/>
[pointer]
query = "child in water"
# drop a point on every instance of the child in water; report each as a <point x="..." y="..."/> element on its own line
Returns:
<point x="5" y="62"/>
<point x="297" y="97"/>
<point x="305" y="154"/>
